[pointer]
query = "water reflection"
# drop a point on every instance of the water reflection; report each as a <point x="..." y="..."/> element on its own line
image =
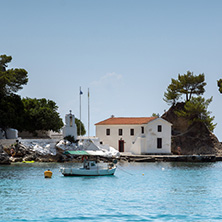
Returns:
<point x="190" y="165"/>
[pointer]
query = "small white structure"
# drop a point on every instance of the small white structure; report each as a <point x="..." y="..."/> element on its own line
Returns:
<point x="9" y="134"/>
<point x="70" y="128"/>
<point x="136" y="135"/>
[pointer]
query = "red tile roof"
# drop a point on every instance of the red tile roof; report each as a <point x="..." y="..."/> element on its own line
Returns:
<point x="126" y="121"/>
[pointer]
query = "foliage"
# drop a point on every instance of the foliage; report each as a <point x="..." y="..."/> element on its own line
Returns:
<point x="41" y="114"/>
<point x="11" y="106"/>
<point x="155" y="115"/>
<point x="171" y="96"/>
<point x="187" y="84"/>
<point x="70" y="139"/>
<point x="219" y="84"/>
<point x="80" y="124"/>
<point x="11" y="112"/>
<point x="11" y="80"/>
<point x="196" y="111"/>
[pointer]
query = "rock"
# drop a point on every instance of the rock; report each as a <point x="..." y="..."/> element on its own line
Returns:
<point x="29" y="157"/>
<point x="15" y="159"/>
<point x="52" y="158"/>
<point x="190" y="139"/>
<point x="4" y="158"/>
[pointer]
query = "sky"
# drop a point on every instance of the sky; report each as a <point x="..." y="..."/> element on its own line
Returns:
<point x="125" y="51"/>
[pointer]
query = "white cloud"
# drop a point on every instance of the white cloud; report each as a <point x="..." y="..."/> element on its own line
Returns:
<point x="107" y="79"/>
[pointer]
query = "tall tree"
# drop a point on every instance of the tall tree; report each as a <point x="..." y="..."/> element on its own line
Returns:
<point x="195" y="108"/>
<point x="11" y="80"/>
<point x="11" y="106"/>
<point x="187" y="84"/>
<point x="219" y="84"/>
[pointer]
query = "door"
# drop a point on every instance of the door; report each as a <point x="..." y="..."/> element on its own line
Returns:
<point x="121" y="145"/>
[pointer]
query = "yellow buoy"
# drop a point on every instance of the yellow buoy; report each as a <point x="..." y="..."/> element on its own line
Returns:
<point x="48" y="174"/>
<point x="143" y="174"/>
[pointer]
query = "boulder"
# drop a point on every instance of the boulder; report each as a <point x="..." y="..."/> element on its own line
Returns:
<point x="4" y="157"/>
<point x="15" y="159"/>
<point x="29" y="157"/>
<point x="189" y="139"/>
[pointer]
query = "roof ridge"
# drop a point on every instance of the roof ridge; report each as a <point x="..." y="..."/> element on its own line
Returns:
<point x="126" y="120"/>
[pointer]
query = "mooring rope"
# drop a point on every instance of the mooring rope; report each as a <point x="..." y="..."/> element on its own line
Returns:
<point x="119" y="167"/>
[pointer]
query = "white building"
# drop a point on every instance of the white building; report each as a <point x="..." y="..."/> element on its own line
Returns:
<point x="70" y="128"/>
<point x="137" y="135"/>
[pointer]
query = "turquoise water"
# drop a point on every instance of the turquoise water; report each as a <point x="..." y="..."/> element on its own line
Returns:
<point x="137" y="192"/>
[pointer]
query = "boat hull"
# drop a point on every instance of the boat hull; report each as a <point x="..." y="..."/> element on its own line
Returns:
<point x="85" y="172"/>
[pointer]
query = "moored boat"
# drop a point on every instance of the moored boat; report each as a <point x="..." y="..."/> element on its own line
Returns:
<point x="90" y="168"/>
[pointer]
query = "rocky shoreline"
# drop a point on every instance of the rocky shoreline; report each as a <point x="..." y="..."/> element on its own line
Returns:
<point x="9" y="155"/>
<point x="12" y="154"/>
<point x="48" y="150"/>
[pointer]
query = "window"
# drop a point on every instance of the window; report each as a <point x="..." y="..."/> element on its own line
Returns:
<point x="142" y="129"/>
<point x="120" y="132"/>
<point x="159" y="143"/>
<point x="107" y="132"/>
<point x="131" y="132"/>
<point x="159" y="128"/>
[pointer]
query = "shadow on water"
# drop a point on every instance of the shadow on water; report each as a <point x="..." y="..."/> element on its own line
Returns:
<point x="191" y="165"/>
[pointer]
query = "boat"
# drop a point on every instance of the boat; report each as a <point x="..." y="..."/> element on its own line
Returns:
<point x="90" y="167"/>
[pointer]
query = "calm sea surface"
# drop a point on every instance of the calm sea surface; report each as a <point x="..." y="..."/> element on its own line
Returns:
<point x="137" y="192"/>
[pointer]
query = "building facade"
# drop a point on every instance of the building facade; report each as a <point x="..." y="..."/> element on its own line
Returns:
<point x="136" y="135"/>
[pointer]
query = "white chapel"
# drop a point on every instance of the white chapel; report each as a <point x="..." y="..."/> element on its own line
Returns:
<point x="136" y="135"/>
<point x="70" y="128"/>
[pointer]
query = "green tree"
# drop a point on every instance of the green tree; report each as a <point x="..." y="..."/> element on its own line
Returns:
<point x="196" y="111"/>
<point x="80" y="124"/>
<point x="11" y="80"/>
<point x="11" y="106"/>
<point x="41" y="114"/>
<point x="187" y="84"/>
<point x="11" y="112"/>
<point x="219" y="84"/>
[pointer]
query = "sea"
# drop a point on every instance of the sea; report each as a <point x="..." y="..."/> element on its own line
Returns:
<point x="160" y="191"/>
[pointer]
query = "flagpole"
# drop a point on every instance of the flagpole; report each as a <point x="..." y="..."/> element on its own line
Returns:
<point x="80" y="108"/>
<point x="88" y="113"/>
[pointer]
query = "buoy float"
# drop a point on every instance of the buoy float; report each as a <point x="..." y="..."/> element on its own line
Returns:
<point x="31" y="161"/>
<point x="48" y="174"/>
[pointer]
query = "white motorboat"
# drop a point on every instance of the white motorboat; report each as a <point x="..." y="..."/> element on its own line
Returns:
<point x="90" y="166"/>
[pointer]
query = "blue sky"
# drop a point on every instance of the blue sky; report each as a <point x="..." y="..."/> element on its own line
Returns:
<point x="125" y="51"/>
